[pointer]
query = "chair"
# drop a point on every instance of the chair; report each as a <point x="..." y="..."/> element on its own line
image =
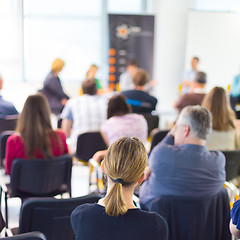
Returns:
<point x="27" y="236"/>
<point x="3" y="142"/>
<point x="8" y="123"/>
<point x="38" y="178"/>
<point x="89" y="143"/>
<point x="195" y="218"/>
<point x="152" y="121"/>
<point x="158" y="137"/>
<point x="2" y="222"/>
<point x="51" y="216"/>
<point x="232" y="164"/>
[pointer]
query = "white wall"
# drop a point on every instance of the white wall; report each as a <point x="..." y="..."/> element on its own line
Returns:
<point x="215" y="38"/>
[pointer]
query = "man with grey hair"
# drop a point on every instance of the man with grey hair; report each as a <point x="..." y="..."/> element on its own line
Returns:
<point x="180" y="165"/>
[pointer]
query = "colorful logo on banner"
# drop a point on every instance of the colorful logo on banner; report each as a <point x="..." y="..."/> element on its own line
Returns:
<point x="131" y="38"/>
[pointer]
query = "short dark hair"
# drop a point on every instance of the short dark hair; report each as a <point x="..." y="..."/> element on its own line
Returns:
<point x="133" y="62"/>
<point x="140" y="77"/>
<point x="117" y="106"/>
<point x="89" y="86"/>
<point x="201" y="78"/>
<point x="196" y="58"/>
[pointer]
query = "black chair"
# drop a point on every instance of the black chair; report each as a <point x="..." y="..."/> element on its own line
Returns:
<point x="158" y="137"/>
<point x="2" y="222"/>
<point x="232" y="164"/>
<point x="3" y="142"/>
<point x="27" y="236"/>
<point x="38" y="178"/>
<point x="51" y="216"/>
<point x="152" y="121"/>
<point x="89" y="143"/>
<point x="195" y="218"/>
<point x="8" y="123"/>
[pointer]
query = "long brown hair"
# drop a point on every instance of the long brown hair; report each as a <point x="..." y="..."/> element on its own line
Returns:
<point x="34" y="125"/>
<point x="223" y="117"/>
<point x="125" y="159"/>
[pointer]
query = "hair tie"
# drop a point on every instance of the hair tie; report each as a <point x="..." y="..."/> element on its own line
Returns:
<point x="119" y="180"/>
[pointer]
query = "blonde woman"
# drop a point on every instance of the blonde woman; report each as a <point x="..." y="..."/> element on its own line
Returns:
<point x="52" y="88"/>
<point x="115" y="216"/>
<point x="224" y="135"/>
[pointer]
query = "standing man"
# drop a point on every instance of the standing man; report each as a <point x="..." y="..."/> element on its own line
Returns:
<point x="180" y="165"/>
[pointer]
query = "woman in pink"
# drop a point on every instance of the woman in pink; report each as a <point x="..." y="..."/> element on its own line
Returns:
<point x="122" y="123"/>
<point x="34" y="137"/>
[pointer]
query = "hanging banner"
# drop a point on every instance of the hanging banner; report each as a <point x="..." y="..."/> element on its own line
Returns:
<point x="131" y="37"/>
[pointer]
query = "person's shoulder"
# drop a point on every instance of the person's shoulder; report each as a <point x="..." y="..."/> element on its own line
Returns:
<point x="14" y="138"/>
<point x="84" y="209"/>
<point x="60" y="133"/>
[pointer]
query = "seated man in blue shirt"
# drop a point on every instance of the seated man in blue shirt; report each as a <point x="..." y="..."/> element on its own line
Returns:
<point x="180" y="165"/>
<point x="6" y="108"/>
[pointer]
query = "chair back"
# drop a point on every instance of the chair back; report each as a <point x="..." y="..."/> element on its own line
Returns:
<point x="158" y="137"/>
<point x="8" y="123"/>
<point x="89" y="143"/>
<point x="27" y="236"/>
<point x="152" y="121"/>
<point x="3" y="142"/>
<point x="232" y="164"/>
<point x="2" y="222"/>
<point x="41" y="177"/>
<point x="195" y="218"/>
<point x="51" y="216"/>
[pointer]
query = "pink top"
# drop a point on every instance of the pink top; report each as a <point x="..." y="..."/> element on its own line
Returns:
<point x="15" y="148"/>
<point x="128" y="125"/>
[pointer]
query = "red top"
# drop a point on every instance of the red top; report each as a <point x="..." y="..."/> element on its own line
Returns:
<point x="15" y="148"/>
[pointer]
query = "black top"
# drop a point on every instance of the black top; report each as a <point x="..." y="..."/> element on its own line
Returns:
<point x="141" y="102"/>
<point x="89" y="221"/>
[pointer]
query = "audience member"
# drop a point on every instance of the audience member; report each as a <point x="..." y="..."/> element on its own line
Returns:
<point x="180" y="165"/>
<point x="190" y="75"/>
<point x="34" y="137"/>
<point x="195" y="97"/>
<point x="235" y="220"/>
<point x="138" y="98"/>
<point x="224" y="135"/>
<point x="235" y="92"/>
<point x="6" y="108"/>
<point x="122" y="123"/>
<point x="52" y="88"/>
<point x="84" y="113"/>
<point x="115" y="216"/>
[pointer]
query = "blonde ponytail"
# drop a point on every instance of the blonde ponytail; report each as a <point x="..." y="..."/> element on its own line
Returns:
<point x="114" y="201"/>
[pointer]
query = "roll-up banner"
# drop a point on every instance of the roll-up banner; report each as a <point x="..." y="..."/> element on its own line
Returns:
<point x="131" y="37"/>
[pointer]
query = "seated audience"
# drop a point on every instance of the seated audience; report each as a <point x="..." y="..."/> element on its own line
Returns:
<point x="180" y="165"/>
<point x="235" y="220"/>
<point x="52" y="88"/>
<point x="115" y="216"/>
<point x="122" y="123"/>
<point x="224" y="135"/>
<point x="138" y="98"/>
<point x="34" y="137"/>
<point x="6" y="108"/>
<point x="84" y="113"/>
<point x="196" y="96"/>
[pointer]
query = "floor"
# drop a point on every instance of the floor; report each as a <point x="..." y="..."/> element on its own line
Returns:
<point x="80" y="187"/>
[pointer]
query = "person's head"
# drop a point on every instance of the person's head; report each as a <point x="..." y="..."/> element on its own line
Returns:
<point x="92" y="71"/>
<point x="34" y="124"/>
<point x="132" y="67"/>
<point x="140" y="78"/>
<point x="200" y="80"/>
<point x="57" y="65"/>
<point x="217" y="102"/>
<point x="89" y="86"/>
<point x="125" y="161"/>
<point x="194" y="63"/>
<point x="117" y="106"/>
<point x="194" y="123"/>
